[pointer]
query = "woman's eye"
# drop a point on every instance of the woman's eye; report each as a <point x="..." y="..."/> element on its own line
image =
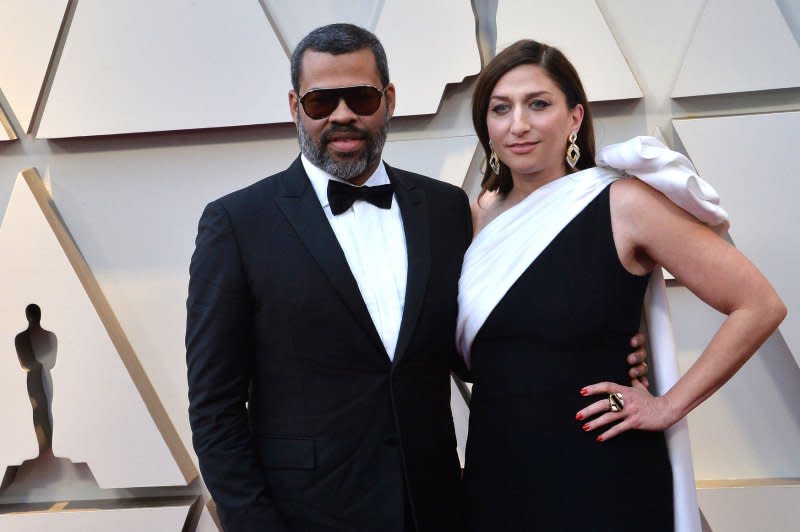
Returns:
<point x="540" y="104"/>
<point x="500" y="108"/>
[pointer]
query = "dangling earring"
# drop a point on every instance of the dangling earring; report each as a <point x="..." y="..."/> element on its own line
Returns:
<point x="573" y="152"/>
<point x="494" y="160"/>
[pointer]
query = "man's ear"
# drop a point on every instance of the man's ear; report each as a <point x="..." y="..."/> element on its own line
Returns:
<point x="390" y="97"/>
<point x="294" y="102"/>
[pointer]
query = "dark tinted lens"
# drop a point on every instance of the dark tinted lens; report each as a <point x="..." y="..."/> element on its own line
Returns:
<point x="320" y="103"/>
<point x="362" y="100"/>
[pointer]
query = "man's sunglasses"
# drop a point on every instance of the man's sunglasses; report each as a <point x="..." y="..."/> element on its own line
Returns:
<point x="361" y="99"/>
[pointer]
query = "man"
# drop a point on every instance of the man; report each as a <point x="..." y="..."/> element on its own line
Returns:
<point x="320" y="333"/>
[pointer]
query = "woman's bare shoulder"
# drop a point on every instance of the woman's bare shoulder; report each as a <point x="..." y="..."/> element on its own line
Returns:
<point x="484" y="210"/>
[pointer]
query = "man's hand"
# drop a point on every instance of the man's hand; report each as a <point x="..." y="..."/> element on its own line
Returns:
<point x="638" y="360"/>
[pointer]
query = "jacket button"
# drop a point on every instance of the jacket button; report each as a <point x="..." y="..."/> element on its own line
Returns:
<point x="391" y="441"/>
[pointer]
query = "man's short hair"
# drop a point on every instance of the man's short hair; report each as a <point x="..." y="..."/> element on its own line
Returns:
<point x="339" y="39"/>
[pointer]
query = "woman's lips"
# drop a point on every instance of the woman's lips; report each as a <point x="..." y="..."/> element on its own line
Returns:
<point x="521" y="148"/>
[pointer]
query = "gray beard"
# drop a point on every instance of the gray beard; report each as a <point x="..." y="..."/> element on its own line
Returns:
<point x="343" y="169"/>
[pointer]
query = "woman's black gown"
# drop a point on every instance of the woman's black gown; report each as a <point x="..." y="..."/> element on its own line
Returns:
<point x="565" y="323"/>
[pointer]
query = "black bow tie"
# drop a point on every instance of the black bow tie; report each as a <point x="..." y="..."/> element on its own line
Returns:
<point x="341" y="196"/>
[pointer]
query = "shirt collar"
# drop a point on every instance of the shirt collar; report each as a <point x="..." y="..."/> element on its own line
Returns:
<point x="319" y="179"/>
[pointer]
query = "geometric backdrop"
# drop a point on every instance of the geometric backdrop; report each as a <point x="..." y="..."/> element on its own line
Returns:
<point x="137" y="113"/>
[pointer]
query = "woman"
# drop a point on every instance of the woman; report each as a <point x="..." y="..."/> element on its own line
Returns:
<point x="552" y="287"/>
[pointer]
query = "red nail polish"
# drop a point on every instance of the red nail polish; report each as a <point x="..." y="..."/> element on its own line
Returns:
<point x="599" y="438"/>
<point x="586" y="426"/>
<point x="584" y="392"/>
<point x="579" y="416"/>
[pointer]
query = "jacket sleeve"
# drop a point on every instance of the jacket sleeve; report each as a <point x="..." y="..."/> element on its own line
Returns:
<point x="457" y="364"/>
<point x="219" y="361"/>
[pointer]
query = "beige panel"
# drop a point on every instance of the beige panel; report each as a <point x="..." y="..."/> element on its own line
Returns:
<point x="150" y="65"/>
<point x="29" y="33"/>
<point x="98" y="414"/>
<point x="739" y="46"/>
<point x="206" y="522"/>
<point x="766" y="505"/>
<point x="6" y="130"/>
<point x="446" y="159"/>
<point x="161" y="519"/>
<point x="578" y="28"/>
<point x="748" y="159"/>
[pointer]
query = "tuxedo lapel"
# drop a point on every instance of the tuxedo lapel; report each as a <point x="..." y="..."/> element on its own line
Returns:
<point x="301" y="207"/>
<point x="414" y="209"/>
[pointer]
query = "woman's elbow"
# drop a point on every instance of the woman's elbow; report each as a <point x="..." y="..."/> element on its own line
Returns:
<point x="774" y="309"/>
<point x="780" y="311"/>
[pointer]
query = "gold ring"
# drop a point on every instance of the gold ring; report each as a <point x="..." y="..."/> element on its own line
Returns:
<point x="644" y="369"/>
<point x="615" y="401"/>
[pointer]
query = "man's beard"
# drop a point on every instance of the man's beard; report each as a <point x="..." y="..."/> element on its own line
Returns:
<point x="343" y="169"/>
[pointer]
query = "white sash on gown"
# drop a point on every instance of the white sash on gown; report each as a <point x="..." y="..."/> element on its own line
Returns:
<point x="505" y="248"/>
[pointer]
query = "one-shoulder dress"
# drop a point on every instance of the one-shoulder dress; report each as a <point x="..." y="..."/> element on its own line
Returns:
<point x="565" y="323"/>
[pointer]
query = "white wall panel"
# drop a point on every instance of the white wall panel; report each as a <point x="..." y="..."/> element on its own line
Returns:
<point x="578" y="28"/>
<point x="790" y="9"/>
<point x="151" y="65"/>
<point x="460" y="419"/>
<point x="446" y="159"/>
<point x="98" y="415"/>
<point x="749" y="161"/>
<point x="758" y="506"/>
<point x="161" y="519"/>
<point x="429" y="51"/>
<point x="750" y="428"/>
<point x="739" y="46"/>
<point x="26" y="44"/>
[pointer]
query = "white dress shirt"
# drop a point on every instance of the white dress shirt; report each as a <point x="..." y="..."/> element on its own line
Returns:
<point x="374" y="244"/>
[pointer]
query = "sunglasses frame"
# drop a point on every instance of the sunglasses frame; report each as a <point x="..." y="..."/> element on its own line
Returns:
<point x="382" y="93"/>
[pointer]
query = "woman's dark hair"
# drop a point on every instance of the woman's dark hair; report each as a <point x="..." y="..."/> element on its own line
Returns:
<point x="561" y="71"/>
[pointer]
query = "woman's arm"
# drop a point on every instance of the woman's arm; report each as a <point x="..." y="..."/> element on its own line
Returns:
<point x="650" y="230"/>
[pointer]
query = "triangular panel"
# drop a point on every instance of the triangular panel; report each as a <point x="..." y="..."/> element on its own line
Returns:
<point x="99" y="416"/>
<point x="151" y="66"/>
<point x="578" y="29"/>
<point x="30" y="28"/>
<point x="758" y="185"/>
<point x="739" y="46"/>
<point x="293" y="20"/>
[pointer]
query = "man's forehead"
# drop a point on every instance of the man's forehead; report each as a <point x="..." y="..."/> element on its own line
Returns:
<point x="324" y="70"/>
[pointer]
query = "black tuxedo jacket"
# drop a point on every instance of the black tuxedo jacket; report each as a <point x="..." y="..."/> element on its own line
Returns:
<point x="299" y="418"/>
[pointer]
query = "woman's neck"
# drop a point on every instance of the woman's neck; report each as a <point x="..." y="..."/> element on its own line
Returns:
<point x="524" y="186"/>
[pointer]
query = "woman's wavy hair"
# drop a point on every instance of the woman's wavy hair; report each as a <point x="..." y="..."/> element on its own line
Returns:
<point x="561" y="71"/>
